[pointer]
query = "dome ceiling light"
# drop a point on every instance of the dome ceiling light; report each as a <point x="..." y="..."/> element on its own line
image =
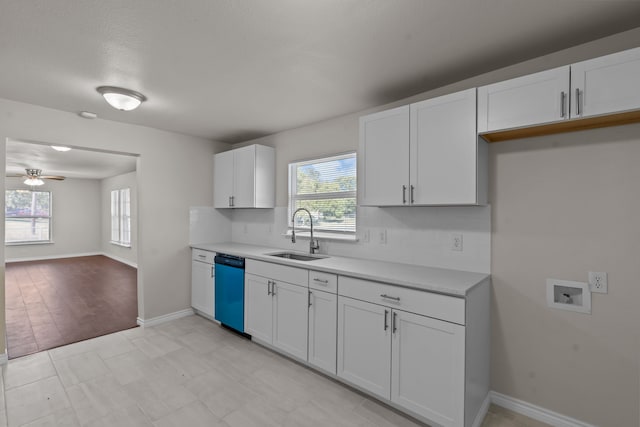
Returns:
<point x="120" y="98"/>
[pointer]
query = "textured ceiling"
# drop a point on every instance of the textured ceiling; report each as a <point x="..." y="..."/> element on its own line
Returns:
<point x="232" y="70"/>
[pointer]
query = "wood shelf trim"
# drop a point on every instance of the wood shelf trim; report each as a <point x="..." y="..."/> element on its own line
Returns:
<point x="572" y="125"/>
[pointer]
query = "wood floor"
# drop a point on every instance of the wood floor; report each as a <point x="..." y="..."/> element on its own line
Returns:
<point x="56" y="302"/>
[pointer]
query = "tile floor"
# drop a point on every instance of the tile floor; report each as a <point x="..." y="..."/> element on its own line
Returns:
<point x="187" y="372"/>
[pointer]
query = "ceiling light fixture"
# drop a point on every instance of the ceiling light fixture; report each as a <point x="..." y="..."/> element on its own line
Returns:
<point x="120" y="98"/>
<point x="60" y="148"/>
<point x="33" y="181"/>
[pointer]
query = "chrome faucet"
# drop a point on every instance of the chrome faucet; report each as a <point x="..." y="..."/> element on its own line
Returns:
<point x="313" y="243"/>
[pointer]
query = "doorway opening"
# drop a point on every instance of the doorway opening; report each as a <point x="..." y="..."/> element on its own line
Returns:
<point x="70" y="245"/>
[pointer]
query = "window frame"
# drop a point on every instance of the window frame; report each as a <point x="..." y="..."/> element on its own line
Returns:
<point x="121" y="218"/>
<point x="49" y="218"/>
<point x="293" y="197"/>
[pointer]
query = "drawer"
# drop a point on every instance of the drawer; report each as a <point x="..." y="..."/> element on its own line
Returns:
<point x="204" y="256"/>
<point x="323" y="281"/>
<point x="438" y="306"/>
<point x="283" y="273"/>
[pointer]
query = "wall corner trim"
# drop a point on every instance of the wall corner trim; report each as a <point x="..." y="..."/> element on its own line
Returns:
<point x="120" y="259"/>
<point x="482" y="413"/>
<point x="536" y="412"/>
<point x="165" y="318"/>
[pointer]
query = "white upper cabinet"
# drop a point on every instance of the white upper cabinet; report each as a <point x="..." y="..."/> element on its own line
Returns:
<point x="524" y="101"/>
<point x="443" y="152"/>
<point x="608" y="84"/>
<point x="384" y="156"/>
<point x="425" y="153"/>
<point x="552" y="101"/>
<point x="244" y="178"/>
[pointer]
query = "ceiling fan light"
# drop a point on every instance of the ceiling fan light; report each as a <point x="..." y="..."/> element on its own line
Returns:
<point x="60" y="148"/>
<point x="33" y="181"/>
<point x="120" y="98"/>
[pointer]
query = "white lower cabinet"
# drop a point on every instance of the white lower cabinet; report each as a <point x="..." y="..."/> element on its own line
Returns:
<point x="409" y="347"/>
<point x="427" y="367"/>
<point x="414" y="361"/>
<point x="322" y="330"/>
<point x="364" y="345"/>
<point x="276" y="312"/>
<point x="202" y="282"/>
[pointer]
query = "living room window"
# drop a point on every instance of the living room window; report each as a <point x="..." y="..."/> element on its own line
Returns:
<point x="121" y="217"/>
<point x="27" y="217"/>
<point x="327" y="188"/>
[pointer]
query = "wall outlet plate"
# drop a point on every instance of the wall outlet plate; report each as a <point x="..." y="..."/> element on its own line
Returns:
<point x="598" y="282"/>
<point x="456" y="242"/>
<point x="382" y="237"/>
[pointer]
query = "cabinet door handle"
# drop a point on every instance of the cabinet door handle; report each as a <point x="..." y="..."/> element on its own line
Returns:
<point x="563" y="98"/>
<point x="578" y="101"/>
<point x="233" y="201"/>
<point x="411" y="193"/>
<point x="269" y="287"/>
<point x="315" y="279"/>
<point x="310" y="298"/>
<point x="404" y="194"/>
<point x="394" y="322"/>
<point x="212" y="271"/>
<point x="386" y="322"/>
<point x="273" y="288"/>
<point x="390" y="297"/>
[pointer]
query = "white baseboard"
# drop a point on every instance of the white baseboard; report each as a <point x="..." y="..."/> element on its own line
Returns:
<point x="482" y="412"/>
<point x="536" y="412"/>
<point x="43" y="258"/>
<point x="120" y="259"/>
<point x="165" y="318"/>
<point x="4" y="358"/>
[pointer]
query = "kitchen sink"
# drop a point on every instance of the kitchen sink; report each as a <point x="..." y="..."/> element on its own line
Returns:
<point x="297" y="256"/>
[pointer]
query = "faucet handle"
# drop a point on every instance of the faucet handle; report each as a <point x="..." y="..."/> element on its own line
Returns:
<point x="314" y="245"/>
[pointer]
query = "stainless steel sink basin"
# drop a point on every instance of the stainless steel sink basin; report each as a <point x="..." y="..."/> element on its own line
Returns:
<point x="297" y="256"/>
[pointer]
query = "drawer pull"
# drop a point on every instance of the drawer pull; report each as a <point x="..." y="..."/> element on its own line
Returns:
<point x="390" y="297"/>
<point x="202" y="256"/>
<point x="315" y="279"/>
<point x="386" y="323"/>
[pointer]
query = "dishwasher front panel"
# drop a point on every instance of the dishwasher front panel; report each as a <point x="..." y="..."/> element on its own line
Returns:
<point x="229" y="300"/>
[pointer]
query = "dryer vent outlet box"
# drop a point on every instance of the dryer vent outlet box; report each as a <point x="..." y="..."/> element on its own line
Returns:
<point x="567" y="295"/>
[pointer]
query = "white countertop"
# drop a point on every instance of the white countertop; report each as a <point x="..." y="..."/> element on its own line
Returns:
<point x="441" y="280"/>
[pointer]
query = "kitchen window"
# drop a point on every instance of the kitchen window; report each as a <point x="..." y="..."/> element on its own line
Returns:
<point x="121" y="217"/>
<point x="27" y="217"/>
<point x="327" y="188"/>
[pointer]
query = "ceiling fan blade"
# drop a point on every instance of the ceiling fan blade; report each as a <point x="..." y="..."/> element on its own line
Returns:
<point x="58" y="178"/>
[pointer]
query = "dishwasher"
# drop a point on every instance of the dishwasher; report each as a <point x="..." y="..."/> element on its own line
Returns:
<point x="229" y="291"/>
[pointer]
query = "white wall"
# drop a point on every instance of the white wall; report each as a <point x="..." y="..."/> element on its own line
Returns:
<point x="560" y="206"/>
<point x="76" y="217"/>
<point x="166" y="189"/>
<point x="126" y="255"/>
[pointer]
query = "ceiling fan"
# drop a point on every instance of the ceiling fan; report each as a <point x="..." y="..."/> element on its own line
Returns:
<point x="34" y="177"/>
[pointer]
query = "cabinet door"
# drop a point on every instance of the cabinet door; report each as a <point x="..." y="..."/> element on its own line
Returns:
<point x="443" y="150"/>
<point x="525" y="101"/>
<point x="384" y="157"/>
<point x="258" y="311"/>
<point x="428" y="367"/>
<point x="608" y="84"/>
<point x="222" y="179"/>
<point x="364" y="353"/>
<point x="202" y="280"/>
<point x="323" y="312"/>
<point x="290" y="313"/>
<point x="244" y="185"/>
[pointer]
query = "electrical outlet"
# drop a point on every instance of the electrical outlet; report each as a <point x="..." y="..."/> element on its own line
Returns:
<point x="456" y="242"/>
<point x="598" y="282"/>
<point x="382" y="237"/>
<point x="366" y="236"/>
